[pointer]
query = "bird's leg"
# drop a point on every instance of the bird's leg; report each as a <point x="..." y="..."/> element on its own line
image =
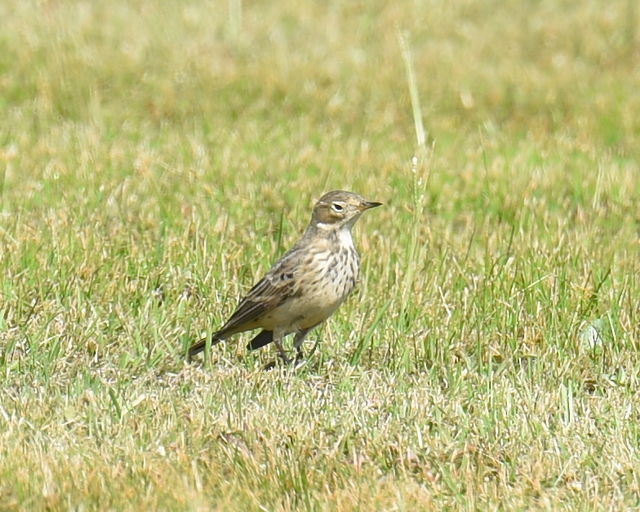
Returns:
<point x="277" y="340"/>
<point x="297" y="343"/>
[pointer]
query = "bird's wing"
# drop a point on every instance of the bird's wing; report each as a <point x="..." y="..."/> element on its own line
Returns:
<point x="278" y="285"/>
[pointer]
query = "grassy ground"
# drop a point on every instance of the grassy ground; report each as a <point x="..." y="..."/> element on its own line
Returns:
<point x="155" y="157"/>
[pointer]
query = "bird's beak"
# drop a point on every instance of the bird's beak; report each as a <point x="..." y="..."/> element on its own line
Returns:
<point x="365" y="205"/>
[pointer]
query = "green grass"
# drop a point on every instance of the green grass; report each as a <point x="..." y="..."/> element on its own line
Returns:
<point x="156" y="157"/>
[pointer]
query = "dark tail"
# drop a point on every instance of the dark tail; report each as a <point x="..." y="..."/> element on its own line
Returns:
<point x="262" y="339"/>
<point x="199" y="346"/>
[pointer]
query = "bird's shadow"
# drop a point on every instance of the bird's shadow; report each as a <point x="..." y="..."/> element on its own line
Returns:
<point x="293" y="364"/>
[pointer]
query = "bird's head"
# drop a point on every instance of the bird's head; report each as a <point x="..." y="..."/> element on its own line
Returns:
<point x="339" y="208"/>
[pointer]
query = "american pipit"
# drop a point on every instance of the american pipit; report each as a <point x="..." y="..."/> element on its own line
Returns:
<point x="307" y="284"/>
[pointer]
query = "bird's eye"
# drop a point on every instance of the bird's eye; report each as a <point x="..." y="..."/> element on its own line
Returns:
<point x="337" y="207"/>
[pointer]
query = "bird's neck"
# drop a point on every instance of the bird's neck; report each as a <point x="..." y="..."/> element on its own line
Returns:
<point x="340" y="235"/>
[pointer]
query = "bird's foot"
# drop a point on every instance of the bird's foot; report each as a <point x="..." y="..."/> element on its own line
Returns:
<point x="269" y="366"/>
<point x="284" y="360"/>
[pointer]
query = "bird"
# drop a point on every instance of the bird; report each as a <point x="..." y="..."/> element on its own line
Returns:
<point x="306" y="285"/>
